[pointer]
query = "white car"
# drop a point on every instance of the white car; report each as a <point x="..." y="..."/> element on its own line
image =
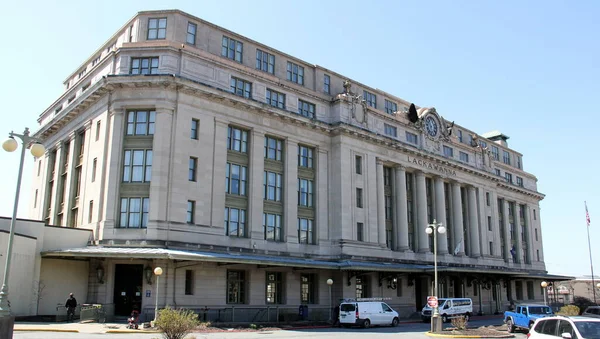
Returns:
<point x="367" y="313"/>
<point x="576" y="327"/>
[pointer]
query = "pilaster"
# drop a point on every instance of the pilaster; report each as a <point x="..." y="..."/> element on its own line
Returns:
<point x="290" y="209"/>
<point x="421" y="223"/>
<point x="256" y="188"/>
<point x="473" y="222"/>
<point x="401" y="210"/>
<point x="440" y="215"/>
<point x="459" y="248"/>
<point x="380" y="205"/>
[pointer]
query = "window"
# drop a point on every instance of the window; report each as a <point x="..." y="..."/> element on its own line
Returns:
<point x="273" y="148"/>
<point x="530" y="293"/>
<point x="470" y="139"/>
<point x="463" y="156"/>
<point x="305" y="231"/>
<point x="306" y="109"/>
<point x="189" y="282"/>
<point x="508" y="177"/>
<point x="94" y="167"/>
<point x="98" y="130"/>
<point x="362" y="287"/>
<point x="241" y="88"/>
<point x="272" y="227"/>
<point x="489" y="223"/>
<point x="305" y="157"/>
<point x="82" y="73"/>
<point x="326" y="84"/>
<point x="537" y="252"/>
<point x="305" y="192"/>
<point x="360" y="231"/>
<point x="191" y="33"/>
<point x="387" y="176"/>
<point x="35" y="199"/>
<point x="192" y="168"/>
<point x="91" y="211"/>
<point x="398" y="282"/>
<point x="194" y="132"/>
<point x="140" y="122"/>
<point x="482" y="144"/>
<point x="519" y="289"/>
<point x="144" y="66"/>
<point x="536" y="235"/>
<point x="235" y="179"/>
<point x="519" y="162"/>
<point x="134" y="212"/>
<point x="520" y="181"/>
<point x="295" y="73"/>
<point x="237" y="139"/>
<point x="275" y="99"/>
<point x="506" y="157"/>
<point x="491" y="248"/>
<point x="460" y="136"/>
<point x="370" y="98"/>
<point x="265" y="61"/>
<point x="390" y="107"/>
<point x="359" y="198"/>
<point x="86" y="86"/>
<point x="448" y="151"/>
<point x="308" y="288"/>
<point x="272" y="186"/>
<point x="235" y="222"/>
<point x="274" y="288"/>
<point x="390" y="130"/>
<point x="232" y="49"/>
<point x="534" y="215"/>
<point x="497" y="172"/>
<point x="137" y="166"/>
<point x="191" y="209"/>
<point x="495" y="153"/>
<point x="487" y="198"/>
<point x="97" y="60"/>
<point x="157" y="28"/>
<point x="39" y="169"/>
<point x="412" y="138"/>
<point x="70" y="100"/>
<point x="236" y="287"/>
<point x="358" y="164"/>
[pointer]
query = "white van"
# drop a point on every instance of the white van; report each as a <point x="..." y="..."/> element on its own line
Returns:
<point x="367" y="313"/>
<point x="449" y="308"/>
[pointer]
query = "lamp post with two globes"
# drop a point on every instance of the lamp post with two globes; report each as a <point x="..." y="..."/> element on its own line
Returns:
<point x="37" y="150"/>
<point x="434" y="228"/>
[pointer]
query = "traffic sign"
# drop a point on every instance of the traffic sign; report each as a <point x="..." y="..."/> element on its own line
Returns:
<point x="432" y="301"/>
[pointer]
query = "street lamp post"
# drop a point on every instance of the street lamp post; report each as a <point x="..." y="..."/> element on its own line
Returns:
<point x="434" y="228"/>
<point x="37" y="150"/>
<point x="329" y="283"/>
<point x="544" y="291"/>
<point x="157" y="271"/>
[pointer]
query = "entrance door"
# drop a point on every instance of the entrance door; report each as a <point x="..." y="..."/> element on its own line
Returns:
<point x="421" y="290"/>
<point x="128" y="288"/>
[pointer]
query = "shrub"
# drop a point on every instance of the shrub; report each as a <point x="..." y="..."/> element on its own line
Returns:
<point x="176" y="324"/>
<point x="569" y="310"/>
<point x="253" y="326"/>
<point x="582" y="302"/>
<point x="460" y="322"/>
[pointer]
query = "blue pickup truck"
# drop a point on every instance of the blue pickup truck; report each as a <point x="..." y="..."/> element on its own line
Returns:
<point x="524" y="316"/>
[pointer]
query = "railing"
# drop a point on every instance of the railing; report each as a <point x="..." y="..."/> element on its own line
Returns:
<point x="95" y="312"/>
<point x="61" y="313"/>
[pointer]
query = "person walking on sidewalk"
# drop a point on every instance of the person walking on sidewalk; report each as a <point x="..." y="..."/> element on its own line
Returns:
<point x="71" y="304"/>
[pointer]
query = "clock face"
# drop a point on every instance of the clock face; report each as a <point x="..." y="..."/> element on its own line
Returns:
<point x="431" y="126"/>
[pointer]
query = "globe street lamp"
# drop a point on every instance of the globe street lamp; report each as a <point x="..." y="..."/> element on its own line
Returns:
<point x="544" y="291"/>
<point x="37" y="150"/>
<point x="157" y="271"/>
<point x="434" y="228"/>
<point x="329" y="283"/>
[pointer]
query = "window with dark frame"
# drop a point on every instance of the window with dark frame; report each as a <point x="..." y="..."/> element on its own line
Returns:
<point x="273" y="148"/>
<point x="358" y="164"/>
<point x="390" y="130"/>
<point x="191" y="33"/>
<point x="326" y="84"/>
<point x="94" y="167"/>
<point x="236" y="287"/>
<point x="265" y="61"/>
<point x="272" y="227"/>
<point x="134" y="212"/>
<point x="370" y="98"/>
<point x="360" y="231"/>
<point x="506" y="157"/>
<point x="308" y="288"/>
<point x="362" y="287"/>
<point x="137" y="166"/>
<point x="157" y="28"/>
<point x="463" y="156"/>
<point x="306" y="109"/>
<point x="191" y="211"/>
<point x="359" y="197"/>
<point x="235" y="222"/>
<point x="305" y="231"/>
<point x="274" y="288"/>
<point x="192" y="168"/>
<point x="275" y="99"/>
<point x="305" y="192"/>
<point x="98" y="123"/>
<point x="140" y="122"/>
<point x="390" y="107"/>
<point x="236" y="179"/>
<point x="412" y="138"/>
<point x="144" y="66"/>
<point x="295" y="73"/>
<point x="194" y="131"/>
<point x="305" y="156"/>
<point x="189" y="282"/>
<point x="272" y="184"/>
<point x="91" y="211"/>
<point x="448" y="151"/>
<point x="241" y="87"/>
<point x="237" y="139"/>
<point x="232" y="49"/>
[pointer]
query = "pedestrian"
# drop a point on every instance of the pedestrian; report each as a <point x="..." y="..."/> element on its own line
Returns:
<point x="71" y="304"/>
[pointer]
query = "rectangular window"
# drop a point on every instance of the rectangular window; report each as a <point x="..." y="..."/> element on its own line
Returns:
<point x="508" y="177"/>
<point x="232" y="49"/>
<point x="241" y="87"/>
<point x="489" y="219"/>
<point x="363" y="290"/>
<point x="306" y="109"/>
<point x="497" y="172"/>
<point x="39" y="169"/>
<point x="134" y="212"/>
<point x="275" y="99"/>
<point x="519" y="289"/>
<point x="236" y="177"/>
<point x="97" y="60"/>
<point x="194" y="131"/>
<point x="448" y="151"/>
<point x="305" y="192"/>
<point x="520" y="181"/>
<point x="359" y="198"/>
<point x="191" y="212"/>
<point x="235" y="222"/>
<point x="265" y="61"/>
<point x="189" y="282"/>
<point x="94" y="167"/>
<point x="390" y="107"/>
<point x="537" y="252"/>
<point x="536" y="235"/>
<point x="35" y="199"/>
<point x="534" y="215"/>
<point x="360" y="232"/>
<point x="140" y="122"/>
<point x="144" y="66"/>
<point x="91" y="211"/>
<point x="326" y="84"/>
<point x="308" y="288"/>
<point x="272" y="186"/>
<point x="482" y="144"/>
<point x="236" y="287"/>
<point x="387" y="176"/>
<point x="98" y="130"/>
<point x="519" y="162"/>
<point x="390" y="130"/>
<point x="464" y="156"/>
<point x="412" y="138"/>
<point x="305" y="231"/>
<point x="274" y="288"/>
<point x="358" y="164"/>
<point x="295" y="73"/>
<point x="192" y="168"/>
<point x="460" y="136"/>
<point x="495" y="153"/>
<point x="506" y="157"/>
<point x="370" y="98"/>
<point x="157" y="28"/>
<point x="137" y="166"/>
<point x="237" y="139"/>
<point x="389" y="208"/>
<point x="272" y="227"/>
<point x="487" y="198"/>
<point x="191" y="33"/>
<point x="491" y="248"/>
<point x="305" y="157"/>
<point x="273" y="148"/>
<point x="530" y="293"/>
<point x="82" y="73"/>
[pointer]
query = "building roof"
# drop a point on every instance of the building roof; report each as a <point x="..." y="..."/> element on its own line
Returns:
<point x="495" y="135"/>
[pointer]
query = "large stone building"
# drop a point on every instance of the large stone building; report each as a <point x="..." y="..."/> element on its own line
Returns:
<point x="252" y="177"/>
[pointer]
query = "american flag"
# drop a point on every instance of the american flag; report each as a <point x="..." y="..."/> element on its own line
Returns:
<point x="587" y="215"/>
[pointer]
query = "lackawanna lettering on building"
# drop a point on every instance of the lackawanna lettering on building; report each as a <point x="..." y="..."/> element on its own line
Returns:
<point x="252" y="177"/>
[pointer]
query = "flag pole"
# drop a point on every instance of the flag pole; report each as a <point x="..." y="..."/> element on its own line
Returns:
<point x="590" y="250"/>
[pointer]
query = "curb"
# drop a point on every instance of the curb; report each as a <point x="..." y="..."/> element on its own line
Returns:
<point x="34" y="329"/>
<point x="306" y="327"/>
<point x="435" y="335"/>
<point x="130" y="331"/>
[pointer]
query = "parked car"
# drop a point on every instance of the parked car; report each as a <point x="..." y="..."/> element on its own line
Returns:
<point x="592" y="311"/>
<point x="565" y="327"/>
<point x="449" y="308"/>
<point x="366" y="314"/>
<point x="524" y="316"/>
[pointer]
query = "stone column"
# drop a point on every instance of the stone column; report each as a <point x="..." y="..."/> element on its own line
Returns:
<point x="256" y="188"/>
<point x="496" y="225"/>
<point x="507" y="242"/>
<point x="323" y="227"/>
<point x="457" y="220"/>
<point x="290" y="191"/>
<point x="401" y="210"/>
<point x="528" y="237"/>
<point x="55" y="172"/>
<point x="518" y="231"/>
<point x="110" y="169"/>
<point x="69" y="192"/>
<point x="422" y="221"/>
<point x="380" y="205"/>
<point x="440" y="215"/>
<point x="160" y="188"/>
<point x="473" y="222"/>
<point x="217" y="201"/>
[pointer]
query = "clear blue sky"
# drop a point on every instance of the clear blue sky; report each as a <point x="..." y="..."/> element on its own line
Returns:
<point x="530" y="69"/>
